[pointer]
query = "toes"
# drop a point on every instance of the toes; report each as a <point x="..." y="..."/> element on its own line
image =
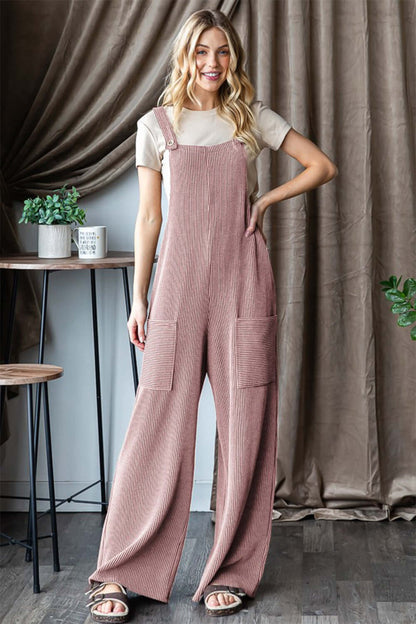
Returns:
<point x="105" y="607"/>
<point x="213" y="601"/>
<point x="109" y="607"/>
<point x="220" y="599"/>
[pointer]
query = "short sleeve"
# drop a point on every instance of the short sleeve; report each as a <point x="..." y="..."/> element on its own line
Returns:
<point x="272" y="126"/>
<point x="147" y="153"/>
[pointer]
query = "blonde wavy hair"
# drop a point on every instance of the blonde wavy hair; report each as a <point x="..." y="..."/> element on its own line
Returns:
<point x="235" y="94"/>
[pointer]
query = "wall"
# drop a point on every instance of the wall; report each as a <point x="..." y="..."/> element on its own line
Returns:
<point x="72" y="397"/>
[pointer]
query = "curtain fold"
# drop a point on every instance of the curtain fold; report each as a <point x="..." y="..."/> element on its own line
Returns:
<point x="78" y="74"/>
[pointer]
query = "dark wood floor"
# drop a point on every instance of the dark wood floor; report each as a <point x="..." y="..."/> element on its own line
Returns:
<point x="317" y="572"/>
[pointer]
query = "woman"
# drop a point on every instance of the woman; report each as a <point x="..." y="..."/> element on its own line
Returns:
<point x="212" y="311"/>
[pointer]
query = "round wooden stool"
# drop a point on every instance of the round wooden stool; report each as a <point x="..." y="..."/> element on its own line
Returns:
<point x="28" y="374"/>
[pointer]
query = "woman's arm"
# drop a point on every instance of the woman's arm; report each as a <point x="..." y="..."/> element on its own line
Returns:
<point x="146" y="234"/>
<point x="319" y="169"/>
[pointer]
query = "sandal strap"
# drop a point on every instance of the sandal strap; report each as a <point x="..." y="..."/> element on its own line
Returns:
<point x="91" y="586"/>
<point x="96" y="585"/>
<point x="230" y="589"/>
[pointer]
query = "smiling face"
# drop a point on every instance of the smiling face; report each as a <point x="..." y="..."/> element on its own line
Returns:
<point x="212" y="57"/>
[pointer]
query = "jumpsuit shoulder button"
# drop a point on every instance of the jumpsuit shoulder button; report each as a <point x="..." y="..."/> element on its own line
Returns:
<point x="170" y="142"/>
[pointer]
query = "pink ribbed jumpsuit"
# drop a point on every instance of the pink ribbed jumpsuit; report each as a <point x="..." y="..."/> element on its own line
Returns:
<point x="212" y="311"/>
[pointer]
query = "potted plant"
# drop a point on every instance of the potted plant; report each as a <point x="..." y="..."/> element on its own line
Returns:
<point x="404" y="301"/>
<point x="54" y="214"/>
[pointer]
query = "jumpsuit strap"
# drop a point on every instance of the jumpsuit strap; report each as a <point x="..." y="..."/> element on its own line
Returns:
<point x="166" y="127"/>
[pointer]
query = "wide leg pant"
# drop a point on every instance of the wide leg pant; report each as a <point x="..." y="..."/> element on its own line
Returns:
<point x="148" y="513"/>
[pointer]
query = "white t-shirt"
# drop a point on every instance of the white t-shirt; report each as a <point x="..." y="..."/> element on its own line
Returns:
<point x="205" y="128"/>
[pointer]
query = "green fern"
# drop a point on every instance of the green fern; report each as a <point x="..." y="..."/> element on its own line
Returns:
<point x="404" y="301"/>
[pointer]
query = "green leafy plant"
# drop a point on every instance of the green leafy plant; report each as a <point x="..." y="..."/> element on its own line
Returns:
<point x="404" y="301"/>
<point x="61" y="208"/>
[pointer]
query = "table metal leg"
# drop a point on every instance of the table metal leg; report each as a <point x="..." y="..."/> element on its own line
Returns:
<point x="45" y="289"/>
<point x="52" y="511"/>
<point x="128" y="310"/>
<point x="33" y="508"/>
<point x="98" y="391"/>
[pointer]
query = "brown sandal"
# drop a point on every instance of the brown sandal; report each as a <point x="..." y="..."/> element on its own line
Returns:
<point x="97" y="598"/>
<point x="220" y="610"/>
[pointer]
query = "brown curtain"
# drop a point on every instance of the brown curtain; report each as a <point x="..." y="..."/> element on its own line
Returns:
<point x="75" y="77"/>
<point x="342" y="73"/>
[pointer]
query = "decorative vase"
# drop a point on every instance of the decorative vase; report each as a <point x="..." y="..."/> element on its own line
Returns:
<point x="54" y="241"/>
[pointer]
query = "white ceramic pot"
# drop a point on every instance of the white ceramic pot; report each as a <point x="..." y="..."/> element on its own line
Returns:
<point x="54" y="241"/>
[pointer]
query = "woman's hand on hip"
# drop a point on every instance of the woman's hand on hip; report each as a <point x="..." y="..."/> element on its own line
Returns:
<point x="256" y="218"/>
<point x="136" y="323"/>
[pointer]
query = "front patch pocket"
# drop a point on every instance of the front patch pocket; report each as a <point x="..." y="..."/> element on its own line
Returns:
<point x="159" y="355"/>
<point x="256" y="350"/>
